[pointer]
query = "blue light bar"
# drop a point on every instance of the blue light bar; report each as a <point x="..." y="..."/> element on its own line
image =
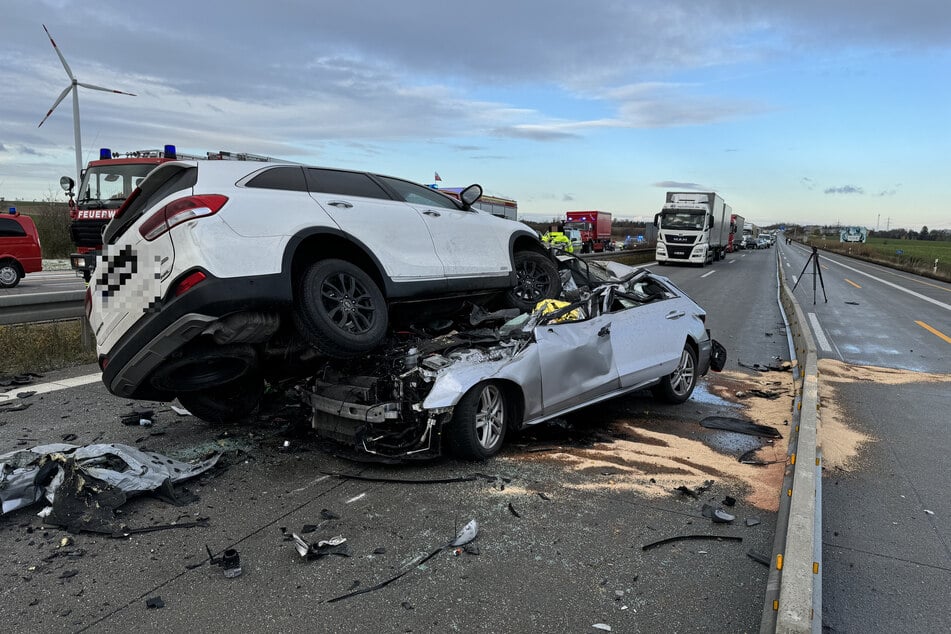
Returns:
<point x="105" y="154"/>
<point x="170" y="152"/>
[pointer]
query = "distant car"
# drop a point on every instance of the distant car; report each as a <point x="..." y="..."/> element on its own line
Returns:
<point x="632" y="330"/>
<point x="217" y="275"/>
<point x="763" y="242"/>
<point x="20" y="249"/>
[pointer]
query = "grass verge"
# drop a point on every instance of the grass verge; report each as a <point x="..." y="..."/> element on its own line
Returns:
<point x="44" y="347"/>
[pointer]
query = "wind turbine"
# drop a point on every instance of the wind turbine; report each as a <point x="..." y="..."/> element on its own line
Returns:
<point x="74" y="86"/>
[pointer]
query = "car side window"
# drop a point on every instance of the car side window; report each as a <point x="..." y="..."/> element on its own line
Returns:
<point x="418" y="195"/>
<point x="11" y="229"/>
<point x="343" y="183"/>
<point x="284" y="177"/>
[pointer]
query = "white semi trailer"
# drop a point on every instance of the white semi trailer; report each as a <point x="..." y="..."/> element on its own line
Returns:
<point x="693" y="228"/>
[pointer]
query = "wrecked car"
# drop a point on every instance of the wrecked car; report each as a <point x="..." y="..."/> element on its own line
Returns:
<point x="219" y="275"/>
<point x="620" y="330"/>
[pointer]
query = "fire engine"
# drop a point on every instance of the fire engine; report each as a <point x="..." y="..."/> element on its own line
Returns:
<point x="106" y="183"/>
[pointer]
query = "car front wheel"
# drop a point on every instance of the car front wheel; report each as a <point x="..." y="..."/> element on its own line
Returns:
<point x="340" y="310"/>
<point x="9" y="275"/>
<point x="536" y="279"/>
<point x="479" y="422"/>
<point x="677" y="386"/>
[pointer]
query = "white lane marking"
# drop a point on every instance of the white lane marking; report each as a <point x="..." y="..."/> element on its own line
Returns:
<point x="732" y="261"/>
<point x="46" y="388"/>
<point x="358" y="497"/>
<point x="707" y="274"/>
<point x="895" y="286"/>
<point x="820" y="336"/>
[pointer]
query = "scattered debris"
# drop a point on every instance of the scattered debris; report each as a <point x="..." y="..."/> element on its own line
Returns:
<point x="740" y="426"/>
<point x="770" y="394"/>
<point x="26" y="394"/>
<point x="154" y="603"/>
<point x="468" y="533"/>
<point x="12" y="406"/>
<point x="785" y="366"/>
<point x="602" y="626"/>
<point x="729" y="501"/>
<point x="852" y="303"/>
<point x="379" y="551"/>
<point x="363" y="478"/>
<point x="69" y="437"/>
<point x="759" y="557"/>
<point x="68" y="573"/>
<point x="230" y="562"/>
<point x="929" y="512"/>
<point x="356" y="497"/>
<point x="722" y="517"/>
<point x="142" y="417"/>
<point x="752" y="521"/>
<point x="333" y="546"/>
<point x="86" y="484"/>
<point x="543" y="496"/>
<point x="327" y="514"/>
<point x="694" y="492"/>
<point x="513" y="511"/>
<point x="729" y="538"/>
<point x="181" y="411"/>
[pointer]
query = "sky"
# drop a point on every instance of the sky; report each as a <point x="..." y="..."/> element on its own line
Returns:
<point x="809" y="112"/>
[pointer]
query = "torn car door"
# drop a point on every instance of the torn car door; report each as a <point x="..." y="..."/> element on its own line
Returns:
<point x="577" y="362"/>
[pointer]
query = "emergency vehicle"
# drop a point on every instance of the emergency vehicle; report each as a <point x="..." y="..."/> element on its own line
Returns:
<point x="106" y="183"/>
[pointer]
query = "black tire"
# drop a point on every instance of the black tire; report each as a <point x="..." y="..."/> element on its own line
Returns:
<point x="9" y="274"/>
<point x="231" y="402"/>
<point x="537" y="279"/>
<point x="340" y="310"/>
<point x="479" y="422"/>
<point x="677" y="386"/>
<point x="204" y="365"/>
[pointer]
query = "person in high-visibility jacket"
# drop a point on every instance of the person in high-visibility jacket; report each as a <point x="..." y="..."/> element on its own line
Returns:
<point x="558" y="240"/>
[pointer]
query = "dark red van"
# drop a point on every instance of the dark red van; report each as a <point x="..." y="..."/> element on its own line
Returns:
<point x="19" y="248"/>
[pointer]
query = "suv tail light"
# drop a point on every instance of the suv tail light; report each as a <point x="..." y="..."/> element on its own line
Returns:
<point x="188" y="282"/>
<point x="179" y="211"/>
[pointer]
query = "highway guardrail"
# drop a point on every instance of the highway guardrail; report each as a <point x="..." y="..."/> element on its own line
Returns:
<point x="34" y="307"/>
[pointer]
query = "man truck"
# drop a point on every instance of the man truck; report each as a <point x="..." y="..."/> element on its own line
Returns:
<point x="593" y="227"/>
<point x="693" y="228"/>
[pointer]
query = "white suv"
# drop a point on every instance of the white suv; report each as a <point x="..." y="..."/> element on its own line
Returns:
<point x="216" y="275"/>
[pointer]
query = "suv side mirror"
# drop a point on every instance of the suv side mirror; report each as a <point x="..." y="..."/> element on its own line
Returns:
<point x="470" y="194"/>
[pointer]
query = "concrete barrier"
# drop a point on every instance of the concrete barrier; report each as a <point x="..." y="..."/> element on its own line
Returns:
<point x="793" y="598"/>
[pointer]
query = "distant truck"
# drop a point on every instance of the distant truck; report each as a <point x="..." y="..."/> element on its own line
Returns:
<point x="106" y="183"/>
<point x="750" y="235"/>
<point x="853" y="234"/>
<point x="693" y="228"/>
<point x="593" y="227"/>
<point x="733" y="241"/>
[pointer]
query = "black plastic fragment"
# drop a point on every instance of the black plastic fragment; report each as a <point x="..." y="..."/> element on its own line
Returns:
<point x="759" y="557"/>
<point x="513" y="511"/>
<point x="728" y="538"/>
<point x="154" y="603"/>
<point x="729" y="501"/>
<point x="740" y="426"/>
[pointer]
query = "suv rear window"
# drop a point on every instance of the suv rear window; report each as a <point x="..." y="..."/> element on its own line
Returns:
<point x="343" y="183"/>
<point x="10" y="228"/>
<point x="163" y="181"/>
<point x="290" y="178"/>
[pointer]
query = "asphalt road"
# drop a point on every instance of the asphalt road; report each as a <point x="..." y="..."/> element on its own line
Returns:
<point x="560" y="546"/>
<point x="887" y="518"/>
<point x="45" y="282"/>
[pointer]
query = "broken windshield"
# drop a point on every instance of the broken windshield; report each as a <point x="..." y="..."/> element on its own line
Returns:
<point x="689" y="220"/>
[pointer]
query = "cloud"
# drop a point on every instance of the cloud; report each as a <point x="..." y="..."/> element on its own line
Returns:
<point x="807" y="182"/>
<point x="682" y="185"/>
<point x="567" y="198"/>
<point x="845" y="189"/>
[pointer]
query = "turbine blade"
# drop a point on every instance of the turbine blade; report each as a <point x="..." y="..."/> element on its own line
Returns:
<point x="118" y="92"/>
<point x="62" y="96"/>
<point x="61" y="58"/>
